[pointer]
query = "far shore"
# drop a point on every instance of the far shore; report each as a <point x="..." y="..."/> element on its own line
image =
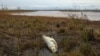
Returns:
<point x="70" y="10"/>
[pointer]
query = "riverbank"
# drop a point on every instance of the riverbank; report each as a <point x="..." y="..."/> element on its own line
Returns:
<point x="22" y="35"/>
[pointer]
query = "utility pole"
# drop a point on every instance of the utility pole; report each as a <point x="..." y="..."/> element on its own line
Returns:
<point x="6" y="8"/>
<point x="2" y="7"/>
<point x="18" y="8"/>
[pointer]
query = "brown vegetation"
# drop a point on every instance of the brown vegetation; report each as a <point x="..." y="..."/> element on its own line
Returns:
<point x="22" y="35"/>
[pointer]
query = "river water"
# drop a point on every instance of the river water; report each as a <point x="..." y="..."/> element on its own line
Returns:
<point x="94" y="16"/>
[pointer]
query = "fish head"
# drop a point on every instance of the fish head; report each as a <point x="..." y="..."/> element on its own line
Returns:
<point x="53" y="49"/>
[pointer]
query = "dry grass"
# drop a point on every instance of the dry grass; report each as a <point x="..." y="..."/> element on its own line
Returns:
<point x="20" y="33"/>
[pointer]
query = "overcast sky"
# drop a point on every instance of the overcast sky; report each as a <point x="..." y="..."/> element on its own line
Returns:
<point x="50" y="3"/>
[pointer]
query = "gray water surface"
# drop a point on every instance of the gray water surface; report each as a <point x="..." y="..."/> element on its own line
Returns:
<point x="94" y="16"/>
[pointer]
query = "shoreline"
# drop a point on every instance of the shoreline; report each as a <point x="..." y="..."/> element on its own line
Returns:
<point x="10" y="11"/>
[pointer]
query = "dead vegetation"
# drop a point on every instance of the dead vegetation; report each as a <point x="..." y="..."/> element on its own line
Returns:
<point x="21" y="35"/>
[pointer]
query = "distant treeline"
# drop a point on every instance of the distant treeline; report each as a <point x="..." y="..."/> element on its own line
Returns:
<point x="71" y="10"/>
<point x="17" y="10"/>
<point x="83" y="10"/>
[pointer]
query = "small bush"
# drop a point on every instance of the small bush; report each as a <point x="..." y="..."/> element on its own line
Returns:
<point x="68" y="44"/>
<point x="87" y="50"/>
<point x="57" y="25"/>
<point x="88" y="35"/>
<point x="74" y="53"/>
<point x="61" y="31"/>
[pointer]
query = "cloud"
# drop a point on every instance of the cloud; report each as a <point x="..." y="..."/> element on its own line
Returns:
<point x="49" y="3"/>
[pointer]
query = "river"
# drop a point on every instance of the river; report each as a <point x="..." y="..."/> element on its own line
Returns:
<point x="93" y="16"/>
